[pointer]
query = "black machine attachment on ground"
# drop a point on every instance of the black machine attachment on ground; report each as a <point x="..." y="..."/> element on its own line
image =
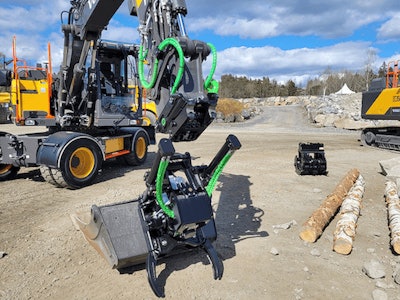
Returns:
<point x="310" y="159"/>
<point x="174" y="212"/>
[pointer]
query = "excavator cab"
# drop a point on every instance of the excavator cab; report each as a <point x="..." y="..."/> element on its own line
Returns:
<point x="113" y="92"/>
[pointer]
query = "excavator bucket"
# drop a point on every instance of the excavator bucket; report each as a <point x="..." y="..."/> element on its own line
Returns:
<point x="117" y="232"/>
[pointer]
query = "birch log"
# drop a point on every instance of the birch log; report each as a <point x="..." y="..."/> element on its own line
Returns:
<point x="393" y="208"/>
<point x="345" y="231"/>
<point x="313" y="227"/>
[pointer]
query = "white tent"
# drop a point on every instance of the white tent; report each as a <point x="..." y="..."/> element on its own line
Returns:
<point x="344" y="90"/>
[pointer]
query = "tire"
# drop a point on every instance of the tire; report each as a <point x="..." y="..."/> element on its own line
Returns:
<point x="8" y="172"/>
<point x="138" y="155"/>
<point x="53" y="176"/>
<point x="79" y="164"/>
<point x="149" y="118"/>
<point x="4" y="115"/>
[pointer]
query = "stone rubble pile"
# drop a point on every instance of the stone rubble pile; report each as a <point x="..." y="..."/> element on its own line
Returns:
<point x="339" y="111"/>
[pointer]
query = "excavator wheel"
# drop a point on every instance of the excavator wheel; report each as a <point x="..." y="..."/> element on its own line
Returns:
<point x="79" y="163"/>
<point x="8" y="171"/>
<point x="138" y="155"/>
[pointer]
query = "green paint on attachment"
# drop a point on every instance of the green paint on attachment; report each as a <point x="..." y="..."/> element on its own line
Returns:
<point x="209" y="83"/>
<point x="162" y="167"/>
<point x="163" y="122"/>
<point x="142" y="56"/>
<point x="213" y="181"/>
<point x="213" y="87"/>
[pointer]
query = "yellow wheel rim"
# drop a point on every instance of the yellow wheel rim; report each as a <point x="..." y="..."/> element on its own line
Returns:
<point x="5" y="168"/>
<point x="140" y="147"/>
<point x="82" y="162"/>
<point x="146" y="121"/>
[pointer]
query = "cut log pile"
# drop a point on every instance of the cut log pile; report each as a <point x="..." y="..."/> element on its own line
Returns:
<point x="314" y="226"/>
<point x="348" y="196"/>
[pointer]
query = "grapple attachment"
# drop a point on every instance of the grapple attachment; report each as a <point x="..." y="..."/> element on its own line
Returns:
<point x="174" y="212"/>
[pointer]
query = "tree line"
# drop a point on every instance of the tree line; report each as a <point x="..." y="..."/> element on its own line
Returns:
<point x="328" y="82"/>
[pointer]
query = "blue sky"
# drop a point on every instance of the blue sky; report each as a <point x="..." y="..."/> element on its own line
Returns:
<point x="282" y="40"/>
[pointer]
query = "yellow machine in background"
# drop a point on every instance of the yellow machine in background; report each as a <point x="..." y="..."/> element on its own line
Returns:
<point x="382" y="102"/>
<point x="30" y="89"/>
<point x="5" y="97"/>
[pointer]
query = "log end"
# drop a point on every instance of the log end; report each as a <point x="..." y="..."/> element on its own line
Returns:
<point x="308" y="235"/>
<point x="342" y="247"/>
<point x="396" y="247"/>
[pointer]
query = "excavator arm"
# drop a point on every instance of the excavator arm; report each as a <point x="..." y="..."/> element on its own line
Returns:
<point x="185" y="101"/>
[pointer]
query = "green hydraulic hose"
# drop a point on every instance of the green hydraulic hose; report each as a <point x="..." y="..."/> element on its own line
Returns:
<point x="173" y="42"/>
<point x="209" y="84"/>
<point x="168" y="41"/>
<point x="159" y="183"/>
<point x="213" y="181"/>
<point x="145" y="84"/>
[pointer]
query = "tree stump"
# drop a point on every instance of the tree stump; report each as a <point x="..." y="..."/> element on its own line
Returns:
<point x="314" y="226"/>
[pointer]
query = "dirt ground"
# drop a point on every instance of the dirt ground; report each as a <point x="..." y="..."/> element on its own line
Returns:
<point x="47" y="258"/>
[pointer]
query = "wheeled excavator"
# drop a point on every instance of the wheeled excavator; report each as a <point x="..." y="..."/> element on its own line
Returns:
<point x="86" y="124"/>
<point x="382" y="102"/>
<point x="91" y="110"/>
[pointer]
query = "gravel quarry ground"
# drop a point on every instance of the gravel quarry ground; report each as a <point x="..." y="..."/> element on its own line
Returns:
<point x="260" y="204"/>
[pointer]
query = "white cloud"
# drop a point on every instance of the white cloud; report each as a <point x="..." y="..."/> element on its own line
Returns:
<point x="36" y="23"/>
<point x="245" y="28"/>
<point x="390" y="29"/>
<point x="32" y="18"/>
<point x="117" y="32"/>
<point x="296" y="64"/>
<point x="330" y="19"/>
